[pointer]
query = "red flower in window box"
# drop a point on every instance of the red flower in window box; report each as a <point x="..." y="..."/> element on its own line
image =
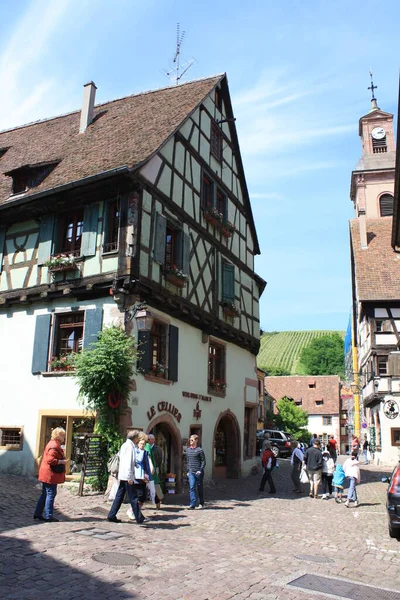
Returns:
<point x="61" y="262"/>
<point x="175" y="275"/>
<point x="218" y="385"/>
<point x="65" y="362"/>
<point x="230" y="309"/>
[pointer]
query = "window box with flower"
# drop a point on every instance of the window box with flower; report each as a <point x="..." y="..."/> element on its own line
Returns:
<point x="213" y="216"/>
<point x="230" y="309"/>
<point x="217" y="386"/>
<point x="63" y="363"/>
<point x="228" y="229"/>
<point x="158" y="369"/>
<point x="61" y="262"/>
<point x="175" y="275"/>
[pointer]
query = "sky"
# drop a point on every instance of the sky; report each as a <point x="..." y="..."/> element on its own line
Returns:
<point x="298" y="74"/>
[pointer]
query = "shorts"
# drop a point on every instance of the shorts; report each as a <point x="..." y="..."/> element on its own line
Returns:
<point x="338" y="488"/>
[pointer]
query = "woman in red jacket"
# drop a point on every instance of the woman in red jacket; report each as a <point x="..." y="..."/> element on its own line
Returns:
<point x="51" y="472"/>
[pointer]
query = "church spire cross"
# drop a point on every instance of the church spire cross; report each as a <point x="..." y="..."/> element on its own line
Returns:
<point x="372" y="87"/>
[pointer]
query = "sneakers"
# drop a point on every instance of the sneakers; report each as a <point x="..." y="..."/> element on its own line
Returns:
<point x="200" y="506"/>
<point x="347" y="504"/>
<point x="323" y="497"/>
<point x="356" y="503"/>
<point x="114" y="520"/>
<point x="191" y="507"/>
<point x="130" y="514"/>
<point x="144" y="521"/>
<point x="338" y="500"/>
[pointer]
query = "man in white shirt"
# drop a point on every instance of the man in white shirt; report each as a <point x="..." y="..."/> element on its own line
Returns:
<point x="126" y="472"/>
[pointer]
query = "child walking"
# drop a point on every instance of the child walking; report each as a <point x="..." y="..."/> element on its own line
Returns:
<point x="338" y="483"/>
<point x="352" y="471"/>
<point x="328" y="468"/>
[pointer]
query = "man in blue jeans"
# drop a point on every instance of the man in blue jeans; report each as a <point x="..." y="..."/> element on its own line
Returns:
<point x="196" y="461"/>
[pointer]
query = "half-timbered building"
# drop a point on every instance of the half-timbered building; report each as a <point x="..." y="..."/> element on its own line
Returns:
<point x="135" y="212"/>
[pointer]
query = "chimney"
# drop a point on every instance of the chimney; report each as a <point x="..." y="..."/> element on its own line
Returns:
<point x="89" y="95"/>
<point x="362" y="220"/>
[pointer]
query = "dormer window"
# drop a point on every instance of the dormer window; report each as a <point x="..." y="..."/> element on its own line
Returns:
<point x="30" y="176"/>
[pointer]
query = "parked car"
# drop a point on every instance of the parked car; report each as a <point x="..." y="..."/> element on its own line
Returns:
<point x="393" y="502"/>
<point x="282" y="443"/>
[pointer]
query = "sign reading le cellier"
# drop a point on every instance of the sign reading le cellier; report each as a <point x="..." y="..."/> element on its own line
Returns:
<point x="164" y="406"/>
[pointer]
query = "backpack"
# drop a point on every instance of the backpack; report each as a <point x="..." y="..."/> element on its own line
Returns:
<point x="266" y="456"/>
<point x="113" y="464"/>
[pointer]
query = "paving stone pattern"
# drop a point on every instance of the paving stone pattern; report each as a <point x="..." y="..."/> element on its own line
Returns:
<point x="243" y="546"/>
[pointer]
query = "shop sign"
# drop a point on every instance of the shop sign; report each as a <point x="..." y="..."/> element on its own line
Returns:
<point x="163" y="406"/>
<point x="196" y="396"/>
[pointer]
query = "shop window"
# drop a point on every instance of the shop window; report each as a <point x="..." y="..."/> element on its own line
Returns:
<point x="250" y="431"/>
<point x="71" y="332"/>
<point x="326" y="420"/>
<point x="158" y="351"/>
<point x="11" y="438"/>
<point x="395" y="433"/>
<point x="216" y="369"/>
<point x="216" y="141"/>
<point x="111" y="226"/>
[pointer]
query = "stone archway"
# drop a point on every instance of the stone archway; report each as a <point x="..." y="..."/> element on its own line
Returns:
<point x="164" y="427"/>
<point x="226" y="447"/>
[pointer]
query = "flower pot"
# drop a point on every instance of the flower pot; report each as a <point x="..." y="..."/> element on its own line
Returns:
<point x="177" y="281"/>
<point x="66" y="267"/>
<point x="226" y="233"/>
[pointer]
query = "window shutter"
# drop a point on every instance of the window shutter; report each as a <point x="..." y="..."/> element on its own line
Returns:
<point x="89" y="233"/>
<point x="160" y="232"/>
<point x="45" y="238"/>
<point x="41" y="344"/>
<point x="185" y="253"/>
<point x="93" y="323"/>
<point x="2" y="242"/>
<point x="228" y="282"/>
<point x="173" y="343"/>
<point x="386" y="205"/>
<point x="144" y="352"/>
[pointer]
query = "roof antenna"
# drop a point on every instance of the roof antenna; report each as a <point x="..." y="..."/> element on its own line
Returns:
<point x="178" y="70"/>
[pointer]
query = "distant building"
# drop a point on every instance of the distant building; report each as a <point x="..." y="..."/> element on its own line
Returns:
<point x="318" y="395"/>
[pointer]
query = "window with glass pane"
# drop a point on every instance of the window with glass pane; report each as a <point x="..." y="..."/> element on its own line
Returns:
<point x="112" y="226"/>
<point x="170" y="247"/>
<point x="69" y="333"/>
<point x="71" y="233"/>
<point x="158" y="337"/>
<point x="216" y="141"/>
<point x="221" y="202"/>
<point x="382" y="365"/>
<point x="207" y="192"/>
<point x="216" y="367"/>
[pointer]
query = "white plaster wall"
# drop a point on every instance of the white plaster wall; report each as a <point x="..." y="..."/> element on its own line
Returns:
<point x="193" y="377"/>
<point x="389" y="455"/>
<point x="24" y="394"/>
<point x="315" y="425"/>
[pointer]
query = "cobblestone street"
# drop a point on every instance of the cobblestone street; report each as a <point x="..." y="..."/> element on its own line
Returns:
<point x="243" y="545"/>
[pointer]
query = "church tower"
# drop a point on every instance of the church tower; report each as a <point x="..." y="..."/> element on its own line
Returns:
<point x="372" y="181"/>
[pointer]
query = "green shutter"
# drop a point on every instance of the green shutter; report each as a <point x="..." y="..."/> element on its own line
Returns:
<point x="185" y="266"/>
<point x="144" y="352"/>
<point x="93" y="323"/>
<point x="160" y="232"/>
<point x="89" y="233"/>
<point x="45" y="238"/>
<point x="228" y="282"/>
<point x="173" y="343"/>
<point x="41" y="344"/>
<point x="2" y="242"/>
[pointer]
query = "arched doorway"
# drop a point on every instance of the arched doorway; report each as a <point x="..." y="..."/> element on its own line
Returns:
<point x="168" y="438"/>
<point x="226" y="447"/>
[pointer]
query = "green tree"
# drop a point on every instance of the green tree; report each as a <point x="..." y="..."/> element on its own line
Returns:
<point x="290" y="417"/>
<point x="324" y="356"/>
<point x="276" y="371"/>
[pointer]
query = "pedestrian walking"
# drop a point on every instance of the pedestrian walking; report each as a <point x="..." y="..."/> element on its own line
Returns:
<point x="156" y="457"/>
<point x="332" y="448"/>
<point x="314" y="437"/>
<point x="196" y="462"/>
<point x="352" y="472"/>
<point x="338" y="482"/>
<point x="328" y="468"/>
<point x="128" y="484"/>
<point x="268" y="461"/>
<point x="355" y="444"/>
<point x="365" y="450"/>
<point x="51" y="473"/>
<point x="313" y="462"/>
<point x="296" y="460"/>
<point x="265" y="441"/>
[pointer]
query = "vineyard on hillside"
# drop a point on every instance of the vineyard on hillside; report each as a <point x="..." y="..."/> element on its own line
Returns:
<point x="283" y="349"/>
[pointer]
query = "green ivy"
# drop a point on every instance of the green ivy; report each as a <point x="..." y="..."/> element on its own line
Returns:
<point x="106" y="367"/>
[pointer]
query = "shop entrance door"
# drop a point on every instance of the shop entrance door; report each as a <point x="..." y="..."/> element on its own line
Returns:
<point x="171" y="452"/>
<point x="226" y="462"/>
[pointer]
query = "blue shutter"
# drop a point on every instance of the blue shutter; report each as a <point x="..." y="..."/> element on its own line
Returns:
<point x="144" y="352"/>
<point x="93" y="323"/>
<point x="89" y="233"/>
<point x="41" y="344"/>
<point x="2" y="241"/>
<point x="173" y="344"/>
<point x="45" y="238"/>
<point x="228" y="282"/>
<point x="160" y="232"/>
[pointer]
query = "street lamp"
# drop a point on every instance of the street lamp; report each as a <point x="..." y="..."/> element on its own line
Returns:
<point x="144" y="320"/>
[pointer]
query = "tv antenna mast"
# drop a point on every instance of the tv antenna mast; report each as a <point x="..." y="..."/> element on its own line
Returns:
<point x="178" y="70"/>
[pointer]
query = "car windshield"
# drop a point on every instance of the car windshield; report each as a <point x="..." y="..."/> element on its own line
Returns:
<point x="288" y="435"/>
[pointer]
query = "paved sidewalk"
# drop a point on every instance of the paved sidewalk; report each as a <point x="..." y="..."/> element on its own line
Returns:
<point x="243" y="545"/>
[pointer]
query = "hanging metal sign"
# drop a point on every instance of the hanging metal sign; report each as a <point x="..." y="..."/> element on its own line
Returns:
<point x="391" y="408"/>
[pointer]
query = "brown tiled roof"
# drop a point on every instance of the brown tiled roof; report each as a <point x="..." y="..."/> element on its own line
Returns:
<point x="377" y="267"/>
<point x="124" y="132"/>
<point x="296" y="387"/>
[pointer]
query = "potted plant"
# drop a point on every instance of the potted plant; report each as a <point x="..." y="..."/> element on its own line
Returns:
<point x="213" y="216"/>
<point x="227" y="229"/>
<point x="175" y="275"/>
<point x="218" y="386"/>
<point x="230" y="309"/>
<point x="63" y="363"/>
<point x="61" y="262"/>
<point x="158" y="369"/>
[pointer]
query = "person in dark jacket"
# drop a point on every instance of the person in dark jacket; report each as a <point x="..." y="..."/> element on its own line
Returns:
<point x="313" y="462"/>
<point x="267" y="462"/>
<point x="196" y="462"/>
<point x="51" y="473"/>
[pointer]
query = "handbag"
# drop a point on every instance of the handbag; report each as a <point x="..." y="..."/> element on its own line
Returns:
<point x="113" y="464"/>
<point x="58" y="468"/>
<point x="304" y="476"/>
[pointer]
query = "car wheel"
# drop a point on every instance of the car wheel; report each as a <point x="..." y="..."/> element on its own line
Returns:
<point x="394" y="532"/>
<point x="275" y="450"/>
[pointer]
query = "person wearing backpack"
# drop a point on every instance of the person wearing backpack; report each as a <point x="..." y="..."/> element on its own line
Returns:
<point x="269" y="462"/>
